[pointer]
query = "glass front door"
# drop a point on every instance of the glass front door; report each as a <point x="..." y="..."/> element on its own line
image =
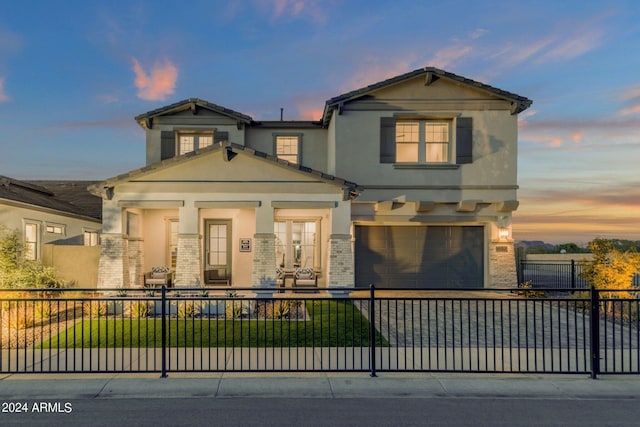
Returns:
<point x="218" y="252"/>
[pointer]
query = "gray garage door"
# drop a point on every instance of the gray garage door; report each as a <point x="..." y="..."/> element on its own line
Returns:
<point x="419" y="256"/>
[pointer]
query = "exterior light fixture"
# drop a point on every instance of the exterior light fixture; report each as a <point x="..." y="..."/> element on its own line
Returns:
<point x="503" y="233"/>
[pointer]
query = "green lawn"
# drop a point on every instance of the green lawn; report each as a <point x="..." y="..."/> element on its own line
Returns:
<point x="332" y="323"/>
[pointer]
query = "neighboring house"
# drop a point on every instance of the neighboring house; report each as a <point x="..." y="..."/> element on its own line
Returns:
<point x="228" y="200"/>
<point x="50" y="212"/>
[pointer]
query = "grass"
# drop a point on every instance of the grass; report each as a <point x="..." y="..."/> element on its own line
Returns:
<point x="332" y="323"/>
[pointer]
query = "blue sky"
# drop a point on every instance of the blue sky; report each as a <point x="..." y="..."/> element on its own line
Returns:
<point x="73" y="75"/>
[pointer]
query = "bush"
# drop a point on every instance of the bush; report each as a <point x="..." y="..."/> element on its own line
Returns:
<point x="281" y="309"/>
<point x="20" y="316"/>
<point x="611" y="269"/>
<point x="187" y="309"/>
<point x="139" y="309"/>
<point x="96" y="308"/>
<point x="18" y="272"/>
<point x="526" y="290"/>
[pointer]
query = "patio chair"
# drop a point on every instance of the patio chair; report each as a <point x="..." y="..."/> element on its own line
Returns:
<point x="158" y="276"/>
<point x="305" y="278"/>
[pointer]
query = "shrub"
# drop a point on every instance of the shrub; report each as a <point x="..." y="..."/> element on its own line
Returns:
<point x="233" y="309"/>
<point x="526" y="290"/>
<point x="96" y="308"/>
<point x="18" y="272"/>
<point x="281" y="309"/>
<point x="187" y="309"/>
<point x="43" y="309"/>
<point x="139" y="309"/>
<point x="20" y="316"/>
<point x="611" y="269"/>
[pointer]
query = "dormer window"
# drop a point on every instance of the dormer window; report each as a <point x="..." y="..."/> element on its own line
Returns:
<point x="189" y="141"/>
<point x="287" y="147"/>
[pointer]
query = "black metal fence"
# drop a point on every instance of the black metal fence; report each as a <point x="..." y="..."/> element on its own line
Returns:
<point x="194" y="330"/>
<point x="559" y="274"/>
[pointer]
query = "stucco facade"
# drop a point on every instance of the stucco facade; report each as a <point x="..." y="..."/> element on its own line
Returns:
<point x="231" y="201"/>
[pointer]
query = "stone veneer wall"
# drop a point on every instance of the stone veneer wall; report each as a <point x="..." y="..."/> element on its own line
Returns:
<point x="188" y="269"/>
<point x="340" y="272"/>
<point x="264" y="260"/>
<point x="136" y="262"/>
<point x="113" y="267"/>
<point x="502" y="265"/>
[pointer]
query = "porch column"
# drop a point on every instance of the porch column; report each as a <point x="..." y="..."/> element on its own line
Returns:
<point x="188" y="263"/>
<point x="113" y="267"/>
<point x="263" y="273"/>
<point x="340" y="271"/>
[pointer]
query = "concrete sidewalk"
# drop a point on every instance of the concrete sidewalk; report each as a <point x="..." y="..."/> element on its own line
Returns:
<point x="67" y="387"/>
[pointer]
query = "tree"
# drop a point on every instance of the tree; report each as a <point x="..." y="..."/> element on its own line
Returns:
<point x="611" y="268"/>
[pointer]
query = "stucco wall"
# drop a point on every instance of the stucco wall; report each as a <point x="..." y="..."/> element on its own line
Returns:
<point x="74" y="263"/>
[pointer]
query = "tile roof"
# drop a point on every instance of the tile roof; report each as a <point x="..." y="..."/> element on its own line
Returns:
<point x="521" y="103"/>
<point x="70" y="197"/>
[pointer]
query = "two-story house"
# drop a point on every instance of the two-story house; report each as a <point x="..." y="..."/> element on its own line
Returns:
<point x="407" y="183"/>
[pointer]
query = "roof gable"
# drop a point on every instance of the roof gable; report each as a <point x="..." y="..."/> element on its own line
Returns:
<point x="194" y="105"/>
<point x="430" y="75"/>
<point x="197" y="163"/>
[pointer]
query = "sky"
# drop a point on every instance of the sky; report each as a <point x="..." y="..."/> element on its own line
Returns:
<point x="74" y="74"/>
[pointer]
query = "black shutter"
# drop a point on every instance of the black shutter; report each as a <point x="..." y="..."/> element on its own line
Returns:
<point x="167" y="144"/>
<point x="464" y="140"/>
<point x="387" y="140"/>
<point x="219" y="137"/>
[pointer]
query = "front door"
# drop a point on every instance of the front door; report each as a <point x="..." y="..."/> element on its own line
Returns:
<point x="217" y="268"/>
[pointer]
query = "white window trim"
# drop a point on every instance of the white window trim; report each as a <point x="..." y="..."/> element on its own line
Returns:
<point x="38" y="242"/>
<point x="317" y="261"/>
<point x="196" y="132"/>
<point x="53" y="226"/>
<point x="288" y="134"/>
<point x="422" y="163"/>
<point x="91" y="231"/>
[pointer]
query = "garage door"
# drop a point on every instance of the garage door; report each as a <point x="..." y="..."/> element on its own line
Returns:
<point x="420" y="256"/>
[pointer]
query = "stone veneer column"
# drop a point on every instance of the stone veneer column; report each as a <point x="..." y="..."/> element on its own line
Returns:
<point x="340" y="272"/>
<point x="136" y="262"/>
<point x="263" y="273"/>
<point x="113" y="267"/>
<point x="502" y="265"/>
<point x="188" y="268"/>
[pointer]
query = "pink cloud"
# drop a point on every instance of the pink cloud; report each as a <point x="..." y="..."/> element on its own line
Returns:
<point x="3" y="95"/>
<point x="630" y="110"/>
<point x="158" y="83"/>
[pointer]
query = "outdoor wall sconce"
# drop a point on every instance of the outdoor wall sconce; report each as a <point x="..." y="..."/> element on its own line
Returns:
<point x="503" y="233"/>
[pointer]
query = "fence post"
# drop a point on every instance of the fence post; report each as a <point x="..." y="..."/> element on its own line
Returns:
<point x="595" y="333"/>
<point x="573" y="274"/>
<point x="163" y="328"/>
<point x="372" y="330"/>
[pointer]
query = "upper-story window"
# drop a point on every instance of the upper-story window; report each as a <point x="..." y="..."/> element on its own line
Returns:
<point x="426" y="142"/>
<point x="423" y="141"/>
<point x="189" y="141"/>
<point x="287" y="147"/>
